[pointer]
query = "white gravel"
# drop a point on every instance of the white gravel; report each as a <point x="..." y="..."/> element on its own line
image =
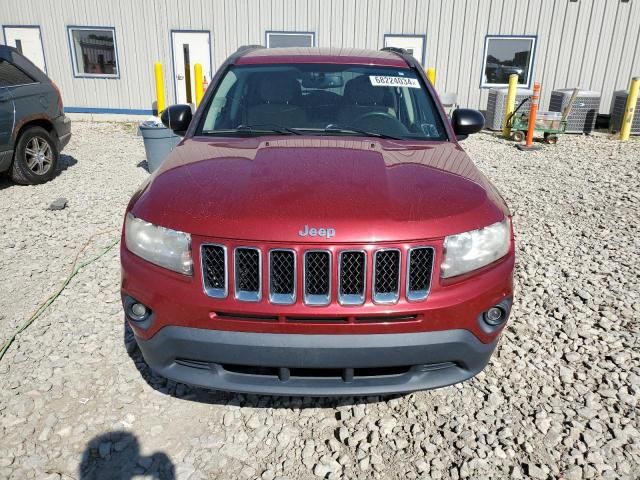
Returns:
<point x="559" y="399"/>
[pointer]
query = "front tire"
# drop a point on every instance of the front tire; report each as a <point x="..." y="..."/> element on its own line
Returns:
<point x="36" y="157"/>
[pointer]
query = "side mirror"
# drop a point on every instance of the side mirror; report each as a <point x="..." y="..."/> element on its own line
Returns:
<point x="177" y="118"/>
<point x="466" y="121"/>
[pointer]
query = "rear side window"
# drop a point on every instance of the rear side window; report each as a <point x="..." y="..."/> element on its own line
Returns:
<point x="10" y="75"/>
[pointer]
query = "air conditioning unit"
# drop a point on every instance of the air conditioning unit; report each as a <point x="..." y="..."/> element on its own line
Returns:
<point x="496" y="103"/>
<point x="582" y="117"/>
<point x="618" y="103"/>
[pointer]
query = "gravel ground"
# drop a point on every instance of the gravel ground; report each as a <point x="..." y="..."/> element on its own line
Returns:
<point x="559" y="399"/>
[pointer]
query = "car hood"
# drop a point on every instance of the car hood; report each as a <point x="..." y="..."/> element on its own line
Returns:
<point x="366" y="190"/>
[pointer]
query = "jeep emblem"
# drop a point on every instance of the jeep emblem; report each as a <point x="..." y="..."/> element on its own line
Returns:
<point x="317" y="232"/>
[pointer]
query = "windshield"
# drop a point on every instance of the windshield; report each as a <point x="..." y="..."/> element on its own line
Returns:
<point x="322" y="99"/>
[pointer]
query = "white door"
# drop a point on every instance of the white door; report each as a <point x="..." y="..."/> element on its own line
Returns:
<point x="414" y="44"/>
<point x="190" y="48"/>
<point x="28" y="42"/>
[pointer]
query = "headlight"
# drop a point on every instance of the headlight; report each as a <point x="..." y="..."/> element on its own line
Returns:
<point x="471" y="250"/>
<point x="164" y="247"/>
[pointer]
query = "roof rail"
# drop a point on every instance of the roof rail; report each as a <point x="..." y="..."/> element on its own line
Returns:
<point x="243" y="48"/>
<point x="394" y="50"/>
<point x="406" y="56"/>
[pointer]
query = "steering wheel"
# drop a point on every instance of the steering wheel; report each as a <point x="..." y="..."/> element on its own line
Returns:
<point x="380" y="114"/>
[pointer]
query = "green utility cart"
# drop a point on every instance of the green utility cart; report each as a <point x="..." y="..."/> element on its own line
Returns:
<point x="549" y="124"/>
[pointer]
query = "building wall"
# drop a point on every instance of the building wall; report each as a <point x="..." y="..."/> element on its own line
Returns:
<point x="592" y="44"/>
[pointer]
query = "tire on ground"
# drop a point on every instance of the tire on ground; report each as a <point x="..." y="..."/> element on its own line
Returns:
<point x="517" y="136"/>
<point x="20" y="172"/>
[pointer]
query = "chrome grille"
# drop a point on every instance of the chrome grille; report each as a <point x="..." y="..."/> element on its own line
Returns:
<point x="351" y="278"/>
<point x="214" y="270"/>
<point x="386" y="276"/>
<point x="419" y="268"/>
<point x="282" y="276"/>
<point x="248" y="274"/>
<point x="317" y="277"/>
<point x="351" y="282"/>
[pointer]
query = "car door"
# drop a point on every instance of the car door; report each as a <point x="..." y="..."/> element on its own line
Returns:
<point x="26" y="98"/>
<point x="7" y="120"/>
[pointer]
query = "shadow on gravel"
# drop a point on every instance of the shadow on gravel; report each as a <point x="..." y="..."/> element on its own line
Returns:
<point x="215" y="397"/>
<point x="117" y="455"/>
<point x="64" y="162"/>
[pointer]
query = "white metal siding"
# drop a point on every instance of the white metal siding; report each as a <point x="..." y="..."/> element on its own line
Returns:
<point x="592" y="44"/>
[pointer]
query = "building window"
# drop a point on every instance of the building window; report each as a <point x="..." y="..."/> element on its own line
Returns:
<point x="10" y="75"/>
<point x="504" y="56"/>
<point x="413" y="44"/>
<point x="290" y="39"/>
<point x="94" y="52"/>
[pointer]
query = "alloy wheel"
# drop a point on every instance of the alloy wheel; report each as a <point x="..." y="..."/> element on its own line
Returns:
<point x="39" y="155"/>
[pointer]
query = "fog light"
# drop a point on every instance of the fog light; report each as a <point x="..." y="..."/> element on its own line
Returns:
<point x="495" y="316"/>
<point x="138" y="309"/>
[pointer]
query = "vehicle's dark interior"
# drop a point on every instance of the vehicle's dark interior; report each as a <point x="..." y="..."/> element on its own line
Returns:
<point x="309" y="98"/>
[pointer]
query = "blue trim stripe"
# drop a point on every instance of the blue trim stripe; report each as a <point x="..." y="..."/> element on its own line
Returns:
<point x="125" y="111"/>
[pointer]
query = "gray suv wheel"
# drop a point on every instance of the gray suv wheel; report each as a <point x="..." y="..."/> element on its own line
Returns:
<point x="35" y="158"/>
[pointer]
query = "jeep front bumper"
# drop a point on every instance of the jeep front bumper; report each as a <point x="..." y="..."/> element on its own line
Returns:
<point x="315" y="365"/>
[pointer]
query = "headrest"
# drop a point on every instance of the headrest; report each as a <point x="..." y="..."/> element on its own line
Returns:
<point x="279" y="88"/>
<point x="360" y="92"/>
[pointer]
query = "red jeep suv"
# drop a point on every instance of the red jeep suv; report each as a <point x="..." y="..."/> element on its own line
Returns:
<point x="318" y="231"/>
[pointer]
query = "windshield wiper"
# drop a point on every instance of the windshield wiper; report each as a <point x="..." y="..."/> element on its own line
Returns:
<point x="255" y="130"/>
<point x="338" y="129"/>
<point x="268" y="127"/>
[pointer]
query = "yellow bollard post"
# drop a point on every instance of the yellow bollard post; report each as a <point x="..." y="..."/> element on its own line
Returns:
<point x="629" y="109"/>
<point x="197" y="71"/>
<point x="510" y="104"/>
<point x="431" y="76"/>
<point x="157" y="68"/>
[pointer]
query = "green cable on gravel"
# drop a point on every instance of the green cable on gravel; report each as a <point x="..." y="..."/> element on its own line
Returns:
<point x="53" y="297"/>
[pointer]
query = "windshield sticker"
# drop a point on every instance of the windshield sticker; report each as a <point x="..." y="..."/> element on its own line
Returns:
<point x="386" y="81"/>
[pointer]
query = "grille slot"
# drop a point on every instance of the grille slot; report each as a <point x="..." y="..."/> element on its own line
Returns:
<point x="248" y="274"/>
<point x="387" y="319"/>
<point x="386" y="276"/>
<point x="317" y="277"/>
<point x="352" y="281"/>
<point x="282" y="277"/>
<point x="344" y="374"/>
<point x="246" y="317"/>
<point x="419" y="268"/>
<point x="214" y="270"/>
<point x="317" y="319"/>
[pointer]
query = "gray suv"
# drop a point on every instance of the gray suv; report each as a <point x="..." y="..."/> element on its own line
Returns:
<point x="33" y="126"/>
